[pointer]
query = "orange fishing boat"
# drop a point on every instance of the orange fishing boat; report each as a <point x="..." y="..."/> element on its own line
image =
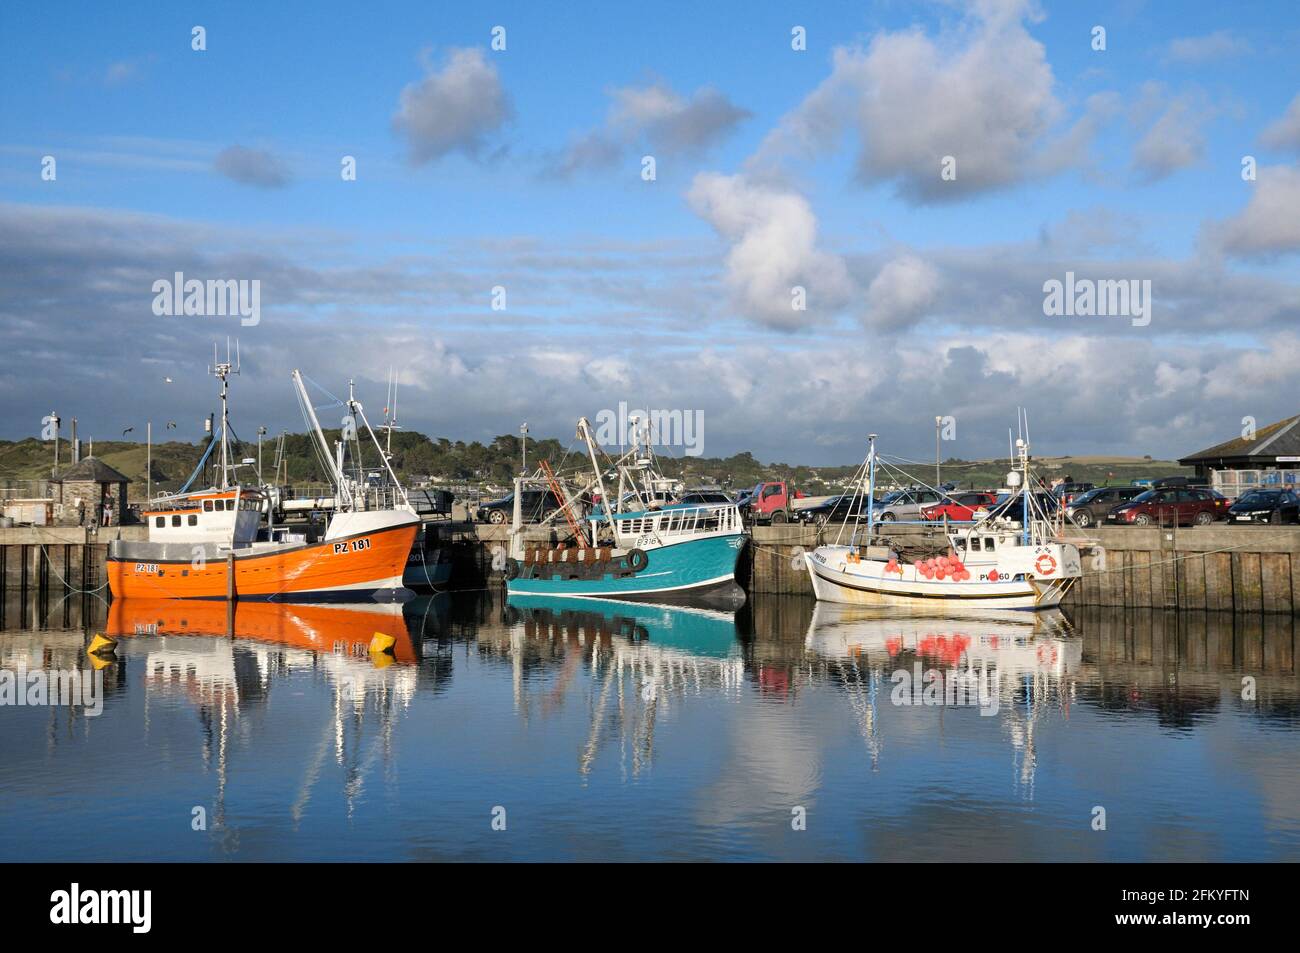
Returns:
<point x="339" y="629"/>
<point x="220" y="543"/>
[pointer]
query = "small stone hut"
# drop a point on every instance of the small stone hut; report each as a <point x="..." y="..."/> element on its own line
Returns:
<point x="93" y="482"/>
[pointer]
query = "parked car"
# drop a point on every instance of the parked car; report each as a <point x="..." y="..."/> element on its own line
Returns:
<point x="1183" y="506"/>
<point x="905" y="505"/>
<point x="1068" y="492"/>
<point x="836" y="509"/>
<point x="1011" y="506"/>
<point x="961" y="507"/>
<point x="1266" y="506"/>
<point x="536" y="505"/>
<point x="1091" y="508"/>
<point x="699" y="497"/>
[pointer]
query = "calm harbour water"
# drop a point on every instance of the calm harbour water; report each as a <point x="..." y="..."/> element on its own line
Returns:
<point x="618" y="732"/>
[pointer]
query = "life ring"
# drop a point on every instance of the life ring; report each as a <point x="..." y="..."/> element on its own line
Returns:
<point x="637" y="559"/>
<point x="1045" y="565"/>
<point x="512" y="569"/>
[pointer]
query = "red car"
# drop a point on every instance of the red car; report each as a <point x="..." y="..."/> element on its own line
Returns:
<point x="960" y="508"/>
<point x="1181" y="505"/>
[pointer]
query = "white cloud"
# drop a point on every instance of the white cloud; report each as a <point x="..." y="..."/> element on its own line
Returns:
<point x="981" y="92"/>
<point x="251" y="167"/>
<point x="1195" y="50"/>
<point x="656" y="118"/>
<point x="901" y="293"/>
<point x="1270" y="222"/>
<point x="1284" y="133"/>
<point x="773" y="235"/>
<point x="1174" y="141"/>
<point x="454" y="109"/>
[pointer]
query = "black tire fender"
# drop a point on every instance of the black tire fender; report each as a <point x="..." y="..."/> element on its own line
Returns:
<point x="637" y="559"/>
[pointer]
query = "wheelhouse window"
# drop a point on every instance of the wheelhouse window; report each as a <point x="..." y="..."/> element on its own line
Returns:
<point x="193" y="519"/>
<point x="160" y="521"/>
<point x="176" y="520"/>
<point x="207" y="506"/>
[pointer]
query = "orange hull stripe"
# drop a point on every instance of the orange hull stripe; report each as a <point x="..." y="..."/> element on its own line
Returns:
<point x="304" y="570"/>
<point x="317" y="628"/>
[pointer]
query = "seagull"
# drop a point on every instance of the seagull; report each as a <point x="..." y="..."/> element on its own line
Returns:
<point x="127" y="431"/>
<point x="171" y="425"/>
<point x="167" y="380"/>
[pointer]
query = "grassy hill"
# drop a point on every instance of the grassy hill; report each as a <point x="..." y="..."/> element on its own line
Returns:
<point x="418" y="457"/>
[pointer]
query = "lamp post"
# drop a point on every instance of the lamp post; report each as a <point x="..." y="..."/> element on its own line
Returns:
<point x="523" y="433"/>
<point x="54" y="419"/>
<point x="148" y="460"/>
<point x="261" y="432"/>
<point x="938" y="423"/>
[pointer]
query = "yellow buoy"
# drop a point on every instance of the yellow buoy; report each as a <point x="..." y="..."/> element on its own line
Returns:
<point x="101" y="645"/>
<point x="381" y="659"/>
<point x="101" y="662"/>
<point x="382" y="643"/>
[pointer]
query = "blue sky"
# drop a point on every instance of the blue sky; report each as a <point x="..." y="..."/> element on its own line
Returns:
<point x="775" y="168"/>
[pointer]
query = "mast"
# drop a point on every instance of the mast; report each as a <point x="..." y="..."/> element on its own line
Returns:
<point x="322" y="446"/>
<point x="871" y="487"/>
<point x="584" y="431"/>
<point x="222" y="372"/>
<point x="355" y="407"/>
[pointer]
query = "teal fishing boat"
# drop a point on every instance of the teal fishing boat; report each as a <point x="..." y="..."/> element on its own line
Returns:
<point x="633" y="546"/>
<point x="689" y="630"/>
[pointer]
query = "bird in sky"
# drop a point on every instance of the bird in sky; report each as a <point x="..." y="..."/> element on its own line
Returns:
<point x="127" y="431"/>
<point x="167" y="380"/>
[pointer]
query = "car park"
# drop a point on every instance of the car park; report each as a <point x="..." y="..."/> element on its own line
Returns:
<point x="1069" y="492"/>
<point x="960" y="507"/>
<point x="1266" y="506"/>
<point x="1090" y="508"/>
<point x="906" y="505"/>
<point x="703" y="496"/>
<point x="535" y="505"/>
<point x="1182" y="506"/>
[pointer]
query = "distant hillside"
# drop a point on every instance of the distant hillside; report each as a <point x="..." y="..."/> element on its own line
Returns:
<point x="417" y="457"/>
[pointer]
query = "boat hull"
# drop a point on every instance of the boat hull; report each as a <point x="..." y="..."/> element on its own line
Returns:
<point x="835" y="581"/>
<point x="681" y="570"/>
<point x="362" y="565"/>
<point x="341" y="629"/>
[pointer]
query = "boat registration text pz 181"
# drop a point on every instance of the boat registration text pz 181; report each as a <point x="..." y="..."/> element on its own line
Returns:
<point x="352" y="546"/>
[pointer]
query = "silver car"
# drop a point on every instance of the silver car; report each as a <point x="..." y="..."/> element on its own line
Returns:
<point x="905" y="505"/>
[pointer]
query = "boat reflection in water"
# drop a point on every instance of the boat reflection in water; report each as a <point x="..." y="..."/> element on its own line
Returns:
<point x="1010" y="666"/>
<point x="223" y="658"/>
<point x="641" y="659"/>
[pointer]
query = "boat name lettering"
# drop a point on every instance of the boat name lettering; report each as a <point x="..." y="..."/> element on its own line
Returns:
<point x="146" y="567"/>
<point x="352" y="546"/>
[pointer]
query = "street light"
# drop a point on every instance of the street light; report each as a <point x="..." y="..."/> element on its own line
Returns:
<point x="938" y="423"/>
<point x="261" y="432"/>
<point x="523" y="432"/>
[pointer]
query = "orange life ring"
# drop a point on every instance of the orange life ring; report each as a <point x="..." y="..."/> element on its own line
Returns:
<point x="1045" y="564"/>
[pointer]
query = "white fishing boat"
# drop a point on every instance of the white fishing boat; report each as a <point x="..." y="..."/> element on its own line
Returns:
<point x="1012" y="558"/>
